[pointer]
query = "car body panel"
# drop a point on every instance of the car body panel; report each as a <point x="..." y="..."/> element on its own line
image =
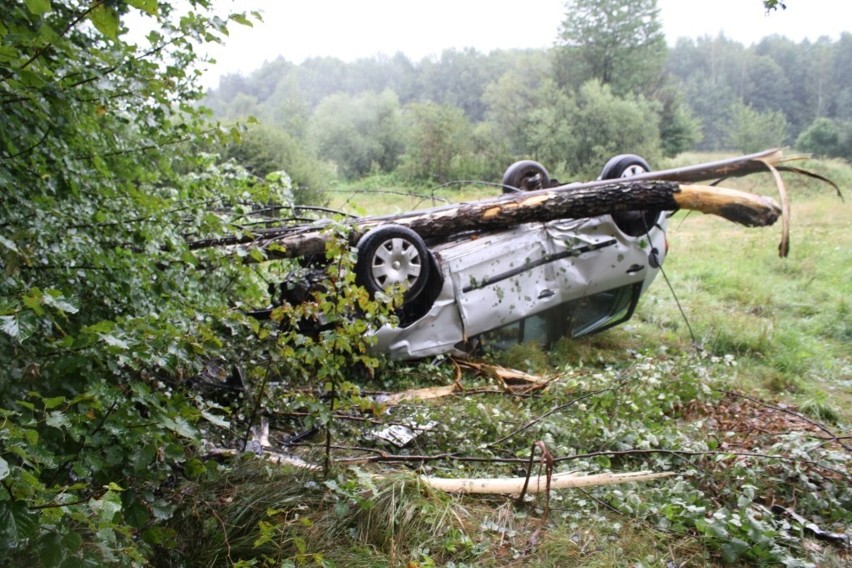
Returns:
<point x="494" y="280"/>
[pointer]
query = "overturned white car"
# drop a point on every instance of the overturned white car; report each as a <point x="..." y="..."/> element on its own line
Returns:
<point x="538" y="281"/>
<point x="533" y="281"/>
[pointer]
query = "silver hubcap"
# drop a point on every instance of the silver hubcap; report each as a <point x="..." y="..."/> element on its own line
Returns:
<point x="633" y="170"/>
<point x="396" y="262"/>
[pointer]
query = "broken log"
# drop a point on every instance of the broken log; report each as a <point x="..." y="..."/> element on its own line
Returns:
<point x="564" y="202"/>
<point x="537" y="484"/>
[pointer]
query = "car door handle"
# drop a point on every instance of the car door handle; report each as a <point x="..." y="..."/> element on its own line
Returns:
<point x="635" y="268"/>
<point x="546" y="293"/>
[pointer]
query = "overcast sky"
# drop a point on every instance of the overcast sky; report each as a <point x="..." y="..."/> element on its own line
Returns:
<point x="351" y="29"/>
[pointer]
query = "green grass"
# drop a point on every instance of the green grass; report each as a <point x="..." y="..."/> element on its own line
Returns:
<point x="786" y="320"/>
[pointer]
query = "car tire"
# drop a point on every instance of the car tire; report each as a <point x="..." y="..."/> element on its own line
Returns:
<point x="525" y="175"/>
<point x="632" y="223"/>
<point x="625" y="165"/>
<point x="389" y="255"/>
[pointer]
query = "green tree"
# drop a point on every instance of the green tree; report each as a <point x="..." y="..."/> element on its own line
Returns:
<point x="439" y="141"/>
<point x="105" y="312"/>
<point x="510" y="101"/>
<point x="680" y="130"/>
<point x="708" y="71"/>
<point x="617" y="42"/>
<point x="458" y="78"/>
<point x="263" y="150"/>
<point x="751" y="130"/>
<point x="827" y="138"/>
<point x="606" y="125"/>
<point x="359" y="133"/>
<point x="551" y="128"/>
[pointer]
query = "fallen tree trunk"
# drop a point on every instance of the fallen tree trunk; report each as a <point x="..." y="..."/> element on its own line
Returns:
<point x="665" y="190"/>
<point x="564" y="202"/>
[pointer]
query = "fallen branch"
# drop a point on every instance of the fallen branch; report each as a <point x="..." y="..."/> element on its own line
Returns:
<point x="575" y="201"/>
<point x="427" y="393"/>
<point x="511" y="380"/>
<point x="537" y="484"/>
<point x="274" y="457"/>
<point x="384" y="457"/>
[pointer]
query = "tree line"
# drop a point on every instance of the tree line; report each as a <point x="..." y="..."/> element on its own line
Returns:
<point x="607" y="87"/>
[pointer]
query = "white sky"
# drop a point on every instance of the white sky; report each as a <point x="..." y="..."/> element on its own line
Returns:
<point x="352" y="29"/>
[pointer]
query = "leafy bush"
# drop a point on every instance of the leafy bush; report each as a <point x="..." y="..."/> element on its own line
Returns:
<point x="263" y="150"/>
<point x="751" y="130"/>
<point x="827" y="138"/>
<point x="106" y="312"/>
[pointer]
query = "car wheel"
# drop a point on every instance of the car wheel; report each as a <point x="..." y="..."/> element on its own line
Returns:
<point x="392" y="255"/>
<point x="525" y="175"/>
<point x="625" y="165"/>
<point x="633" y="223"/>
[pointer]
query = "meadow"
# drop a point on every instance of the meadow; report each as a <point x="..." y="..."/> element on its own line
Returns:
<point x="734" y="377"/>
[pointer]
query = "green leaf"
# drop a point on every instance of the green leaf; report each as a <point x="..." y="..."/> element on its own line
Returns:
<point x="105" y="20"/>
<point x="180" y="427"/>
<point x="56" y="420"/>
<point x="107" y="506"/>
<point x="217" y="420"/>
<point x="50" y="550"/>
<point x="149" y="6"/>
<point x="31" y="79"/>
<point x="53" y="402"/>
<point x="74" y="562"/>
<point x="39" y="7"/>
<point x="34" y="299"/>
<point x="113" y="341"/>
<point x="55" y="299"/>
<point x="9" y="326"/>
<point x="19" y="327"/>
<point x="242" y="20"/>
<point x="257" y="255"/>
<point x="8" y="244"/>
<point x="73" y="541"/>
<point x="16" y="521"/>
<point x="4" y="469"/>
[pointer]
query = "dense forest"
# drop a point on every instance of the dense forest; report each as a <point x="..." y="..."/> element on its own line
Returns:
<point x="467" y="114"/>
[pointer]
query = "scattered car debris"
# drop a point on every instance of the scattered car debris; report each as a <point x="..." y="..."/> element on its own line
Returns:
<point x="399" y="434"/>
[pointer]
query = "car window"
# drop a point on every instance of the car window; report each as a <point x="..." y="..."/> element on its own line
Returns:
<point x="571" y="319"/>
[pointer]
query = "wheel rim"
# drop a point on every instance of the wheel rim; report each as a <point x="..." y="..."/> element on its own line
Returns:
<point x="633" y="170"/>
<point x="396" y="261"/>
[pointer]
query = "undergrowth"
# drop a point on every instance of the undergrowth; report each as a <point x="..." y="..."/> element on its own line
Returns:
<point x="741" y="398"/>
<point x="648" y="413"/>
